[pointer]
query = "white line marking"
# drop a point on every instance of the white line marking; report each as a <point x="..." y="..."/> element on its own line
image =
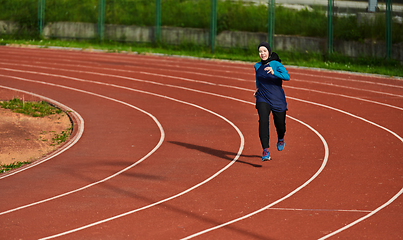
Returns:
<point x="245" y="66"/>
<point x="365" y="217"/>
<point x="281" y="199"/>
<point x="109" y="177"/>
<point x="318" y="210"/>
<point x="197" y="81"/>
<point x="400" y="192"/>
<point x="352" y="88"/>
<point x="313" y="177"/>
<point x="352" y="80"/>
<point x="346" y="96"/>
<point x="151" y="205"/>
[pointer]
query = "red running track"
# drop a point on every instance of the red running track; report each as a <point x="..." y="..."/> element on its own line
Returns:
<point x="167" y="148"/>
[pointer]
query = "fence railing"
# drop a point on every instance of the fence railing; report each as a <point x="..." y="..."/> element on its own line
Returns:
<point x="151" y="14"/>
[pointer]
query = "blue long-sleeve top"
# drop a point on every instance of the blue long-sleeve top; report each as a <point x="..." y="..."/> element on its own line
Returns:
<point x="270" y="86"/>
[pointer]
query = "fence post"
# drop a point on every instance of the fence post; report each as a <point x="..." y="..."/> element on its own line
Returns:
<point x="330" y="26"/>
<point x="157" y="31"/>
<point x="213" y="24"/>
<point x="41" y="16"/>
<point x="388" y="34"/>
<point x="101" y="19"/>
<point x="271" y="16"/>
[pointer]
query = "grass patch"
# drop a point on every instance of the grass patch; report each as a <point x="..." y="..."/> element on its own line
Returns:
<point x="58" y="139"/>
<point x="8" y="167"/>
<point x="33" y="109"/>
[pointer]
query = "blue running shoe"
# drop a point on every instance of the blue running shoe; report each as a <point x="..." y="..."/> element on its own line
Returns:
<point x="266" y="155"/>
<point x="280" y="145"/>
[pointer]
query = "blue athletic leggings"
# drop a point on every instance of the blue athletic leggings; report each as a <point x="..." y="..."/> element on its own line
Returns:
<point x="264" y="110"/>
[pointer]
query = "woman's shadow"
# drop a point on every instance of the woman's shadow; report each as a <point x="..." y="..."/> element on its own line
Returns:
<point x="217" y="153"/>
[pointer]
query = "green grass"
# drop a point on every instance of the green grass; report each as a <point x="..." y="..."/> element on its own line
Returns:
<point x="58" y="139"/>
<point x="306" y="59"/>
<point x="231" y="15"/>
<point x="34" y="109"/>
<point x="8" y="167"/>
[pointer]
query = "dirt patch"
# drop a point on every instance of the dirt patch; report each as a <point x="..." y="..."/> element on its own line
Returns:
<point x="25" y="138"/>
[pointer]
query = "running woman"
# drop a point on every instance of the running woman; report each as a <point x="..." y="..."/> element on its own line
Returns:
<point x="270" y="97"/>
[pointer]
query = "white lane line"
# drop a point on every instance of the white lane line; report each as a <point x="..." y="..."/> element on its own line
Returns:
<point x="71" y="142"/>
<point x="162" y="137"/>
<point x="351" y="88"/>
<point x="364" y="217"/>
<point x="166" y="62"/>
<point x="347" y="96"/>
<point x="320" y="105"/>
<point x="165" y="97"/>
<point x="151" y="205"/>
<point x="244" y="66"/>
<point x="319" y="210"/>
<point x="326" y="148"/>
<point x="351" y="115"/>
<point x="162" y="201"/>
<point x="313" y="177"/>
<point x="353" y="80"/>
<point x="207" y="63"/>
<point x="192" y="80"/>
<point x="196" y="81"/>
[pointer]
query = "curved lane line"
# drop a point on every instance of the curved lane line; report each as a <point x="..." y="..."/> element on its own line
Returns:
<point x="71" y="142"/>
<point x="400" y="192"/>
<point x="192" y="80"/>
<point x="354" y="80"/>
<point x="207" y="62"/>
<point x="190" y="189"/>
<point x="352" y="88"/>
<point x="162" y="137"/>
<point x="364" y="217"/>
<point x="313" y="177"/>
<point x="151" y="205"/>
<point x="383" y="205"/>
<point x="198" y="81"/>
<point x="351" y="115"/>
<point x="346" y="96"/>
<point x="326" y="147"/>
<point x="246" y="68"/>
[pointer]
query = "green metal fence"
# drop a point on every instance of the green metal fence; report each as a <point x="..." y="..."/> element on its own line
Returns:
<point x="215" y="15"/>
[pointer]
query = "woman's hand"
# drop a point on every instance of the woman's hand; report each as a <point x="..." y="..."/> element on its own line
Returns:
<point x="269" y="70"/>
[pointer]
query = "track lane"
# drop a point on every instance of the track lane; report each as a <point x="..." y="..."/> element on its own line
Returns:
<point x="182" y="116"/>
<point x="362" y="110"/>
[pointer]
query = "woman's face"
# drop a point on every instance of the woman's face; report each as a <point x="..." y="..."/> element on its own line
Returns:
<point x="263" y="53"/>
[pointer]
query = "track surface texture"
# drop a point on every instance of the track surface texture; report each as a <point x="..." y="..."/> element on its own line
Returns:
<point x="168" y="148"/>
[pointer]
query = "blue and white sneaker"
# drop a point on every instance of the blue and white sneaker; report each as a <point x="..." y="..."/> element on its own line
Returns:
<point x="280" y="144"/>
<point x="266" y="155"/>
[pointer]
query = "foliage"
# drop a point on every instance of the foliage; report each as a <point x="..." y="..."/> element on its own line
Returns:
<point x="8" y="167"/>
<point x="231" y="15"/>
<point x="34" y="109"/>
<point x="58" y="139"/>
<point x="302" y="23"/>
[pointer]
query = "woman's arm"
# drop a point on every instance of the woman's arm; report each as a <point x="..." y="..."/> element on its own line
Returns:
<point x="278" y="70"/>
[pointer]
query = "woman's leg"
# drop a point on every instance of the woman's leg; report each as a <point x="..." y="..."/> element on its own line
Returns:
<point x="279" y="123"/>
<point x="263" y="110"/>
